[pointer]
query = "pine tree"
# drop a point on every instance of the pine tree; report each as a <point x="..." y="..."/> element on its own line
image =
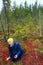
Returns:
<point x="6" y="8"/>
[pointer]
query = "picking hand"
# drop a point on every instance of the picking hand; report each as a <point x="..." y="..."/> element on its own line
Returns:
<point x="15" y="56"/>
<point x="7" y="58"/>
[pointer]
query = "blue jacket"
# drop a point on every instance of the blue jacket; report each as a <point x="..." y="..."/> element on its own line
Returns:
<point x="15" y="49"/>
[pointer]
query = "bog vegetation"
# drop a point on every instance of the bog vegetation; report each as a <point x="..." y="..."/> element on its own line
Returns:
<point x="25" y="24"/>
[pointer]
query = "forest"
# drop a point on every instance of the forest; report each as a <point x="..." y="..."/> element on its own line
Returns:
<point x="23" y="23"/>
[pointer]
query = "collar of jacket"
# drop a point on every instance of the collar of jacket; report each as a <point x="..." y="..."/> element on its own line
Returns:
<point x="12" y="44"/>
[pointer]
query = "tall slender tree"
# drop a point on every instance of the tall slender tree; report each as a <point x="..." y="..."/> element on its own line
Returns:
<point x="6" y="4"/>
<point x="35" y="13"/>
<point x="3" y="31"/>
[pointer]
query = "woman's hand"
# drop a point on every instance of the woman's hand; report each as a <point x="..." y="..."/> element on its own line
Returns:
<point x="7" y="58"/>
<point x="15" y="56"/>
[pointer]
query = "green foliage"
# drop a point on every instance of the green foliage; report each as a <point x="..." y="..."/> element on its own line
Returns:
<point x="22" y="16"/>
<point x="27" y="19"/>
<point x="37" y="42"/>
<point x="37" y="46"/>
<point x="19" y="27"/>
<point x="39" y="50"/>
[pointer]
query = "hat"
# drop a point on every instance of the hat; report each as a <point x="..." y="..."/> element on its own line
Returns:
<point x="10" y="40"/>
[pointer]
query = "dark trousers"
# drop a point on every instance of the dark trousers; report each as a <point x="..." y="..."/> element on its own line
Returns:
<point x="15" y="60"/>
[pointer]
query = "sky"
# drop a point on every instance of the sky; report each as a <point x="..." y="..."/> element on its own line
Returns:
<point x="18" y="2"/>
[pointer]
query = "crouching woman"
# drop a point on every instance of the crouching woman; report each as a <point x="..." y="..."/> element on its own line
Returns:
<point x="15" y="51"/>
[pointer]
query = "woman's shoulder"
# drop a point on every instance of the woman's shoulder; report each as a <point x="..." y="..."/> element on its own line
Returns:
<point x="16" y="43"/>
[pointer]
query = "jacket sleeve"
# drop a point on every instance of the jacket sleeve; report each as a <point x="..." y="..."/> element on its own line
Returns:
<point x="19" y="50"/>
<point x="9" y="55"/>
